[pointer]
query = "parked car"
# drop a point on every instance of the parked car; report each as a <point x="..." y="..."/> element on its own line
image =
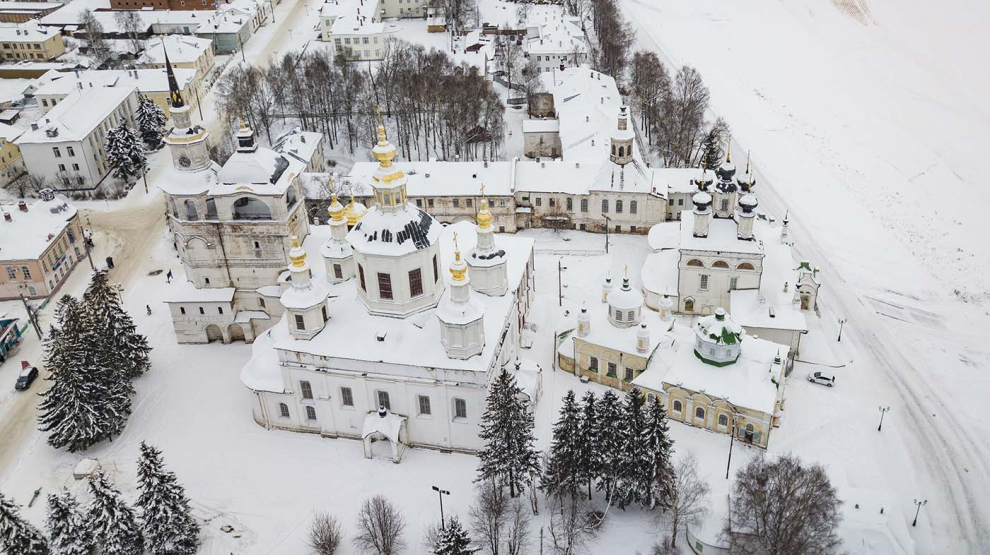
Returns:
<point x="822" y="378"/>
<point x="26" y="377"/>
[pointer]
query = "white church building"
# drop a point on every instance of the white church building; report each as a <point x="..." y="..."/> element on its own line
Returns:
<point x="394" y="337"/>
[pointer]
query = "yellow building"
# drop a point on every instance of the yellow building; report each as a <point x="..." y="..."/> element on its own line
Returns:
<point x="30" y="42"/>
<point x="181" y="51"/>
<point x="40" y="244"/>
<point x="152" y="83"/>
<point x="11" y="162"/>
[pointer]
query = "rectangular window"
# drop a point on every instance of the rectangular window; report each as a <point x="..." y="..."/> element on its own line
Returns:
<point x="457" y="203"/>
<point x="385" y="286"/>
<point x="470" y="203"/>
<point x="201" y="311"/>
<point x="633" y="207"/>
<point x="283" y="409"/>
<point x="58" y="153"/>
<point x="182" y="310"/>
<point x="346" y="397"/>
<point x="429" y="203"/>
<point x="219" y="310"/>
<point x="361" y="277"/>
<point x="628" y="374"/>
<point x="611" y="369"/>
<point x="460" y="408"/>
<point x="300" y="322"/>
<point x="436" y="270"/>
<point x="69" y="150"/>
<point x="704" y="282"/>
<point x="338" y="272"/>
<point x="539" y="201"/>
<point x="584" y="205"/>
<point x="733" y="282"/>
<point x="419" y="203"/>
<point x="383" y="400"/>
<point x="593" y="363"/>
<point x="416" y="282"/>
<point x="604" y="206"/>
<point x="424" y="405"/>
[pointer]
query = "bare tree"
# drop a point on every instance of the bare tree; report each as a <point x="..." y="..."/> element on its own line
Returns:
<point x="781" y="507"/>
<point x="325" y="533"/>
<point x="94" y="36"/>
<point x="380" y="527"/>
<point x="517" y="534"/>
<point x="28" y="183"/>
<point x="680" y="125"/>
<point x="687" y="502"/>
<point x="130" y="22"/>
<point x="650" y="88"/>
<point x="510" y="59"/>
<point x="574" y="524"/>
<point x="490" y="515"/>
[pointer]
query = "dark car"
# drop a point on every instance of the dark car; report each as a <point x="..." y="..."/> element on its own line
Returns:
<point x="26" y="378"/>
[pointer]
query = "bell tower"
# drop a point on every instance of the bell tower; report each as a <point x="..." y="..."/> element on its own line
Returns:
<point x="186" y="142"/>
<point x="622" y="139"/>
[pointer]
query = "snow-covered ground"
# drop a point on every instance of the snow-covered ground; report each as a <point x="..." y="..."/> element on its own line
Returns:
<point x="864" y="119"/>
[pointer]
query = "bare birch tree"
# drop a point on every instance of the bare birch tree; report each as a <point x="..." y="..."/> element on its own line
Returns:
<point x="380" y="527"/>
<point x="687" y="502"/>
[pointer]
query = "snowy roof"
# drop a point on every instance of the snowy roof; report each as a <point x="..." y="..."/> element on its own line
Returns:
<point x="722" y="237"/>
<point x="394" y="232"/>
<point x="527" y="373"/>
<point x="556" y="35"/>
<point x="587" y="103"/>
<point x="298" y="144"/>
<point x="30" y="233"/>
<point x="747" y="383"/>
<point x="350" y="338"/>
<point x="9" y="132"/>
<point x="26" y="32"/>
<point x="245" y="316"/>
<point x="305" y="297"/>
<point x="659" y="274"/>
<point x="69" y="15"/>
<point x="181" y="49"/>
<point x="444" y="178"/>
<point x="385" y="423"/>
<point x="338" y="8"/>
<point x="28" y="6"/>
<point x="77" y="115"/>
<point x="352" y="24"/>
<point x="551" y="125"/>
<point x="145" y="80"/>
<point x="770" y="306"/>
<point x="262" y="172"/>
<point x="718" y="328"/>
<point x="606" y="334"/>
<point x="185" y="292"/>
<point x="12" y="90"/>
<point x="625" y="298"/>
<point x="664" y="235"/>
<point x="177" y="182"/>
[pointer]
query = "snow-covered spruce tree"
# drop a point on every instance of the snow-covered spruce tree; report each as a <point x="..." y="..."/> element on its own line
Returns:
<point x="660" y="447"/>
<point x="452" y="539"/>
<point x="151" y="122"/>
<point x="609" y="432"/>
<point x="636" y="471"/>
<point x="17" y="536"/>
<point x="68" y="530"/>
<point x="507" y="430"/>
<point x="589" y="456"/>
<point x="114" y="524"/>
<point x="124" y="152"/>
<point x="123" y="349"/>
<point x="560" y="477"/>
<point x="85" y="403"/>
<point x="168" y="525"/>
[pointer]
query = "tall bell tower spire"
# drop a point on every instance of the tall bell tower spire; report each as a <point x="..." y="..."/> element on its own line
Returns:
<point x="186" y="142"/>
<point x="174" y="93"/>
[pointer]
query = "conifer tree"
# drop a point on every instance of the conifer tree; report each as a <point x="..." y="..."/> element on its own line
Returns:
<point x="68" y="530"/>
<point x="17" y="536"/>
<point x="452" y="539"/>
<point x="85" y="403"/>
<point x="122" y="348"/>
<point x="589" y="456"/>
<point x="660" y="447"/>
<point x="124" y="152"/>
<point x="636" y="469"/>
<point x="561" y="475"/>
<point x="169" y="528"/>
<point x="151" y="122"/>
<point x="507" y="429"/>
<point x="609" y="431"/>
<point x="114" y="524"/>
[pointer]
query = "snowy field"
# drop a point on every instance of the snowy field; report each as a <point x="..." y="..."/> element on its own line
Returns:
<point x="865" y="123"/>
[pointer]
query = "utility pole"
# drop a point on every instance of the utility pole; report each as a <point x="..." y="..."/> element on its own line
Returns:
<point x="31" y="316"/>
<point x="199" y="105"/>
<point x="731" y="441"/>
<point x="918" y="504"/>
<point x="560" y="290"/>
<point x="883" y="411"/>
<point x="841" y="321"/>
<point x="441" y="493"/>
<point x="144" y="176"/>
<point x="607" y="221"/>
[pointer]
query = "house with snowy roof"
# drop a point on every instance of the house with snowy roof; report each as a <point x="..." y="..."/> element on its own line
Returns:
<point x="153" y="83"/>
<point x="183" y="52"/>
<point x="394" y="338"/>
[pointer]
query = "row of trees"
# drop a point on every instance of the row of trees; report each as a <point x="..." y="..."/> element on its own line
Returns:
<point x="94" y="352"/>
<point x="162" y="524"/>
<point x="672" y="113"/>
<point x="435" y="106"/>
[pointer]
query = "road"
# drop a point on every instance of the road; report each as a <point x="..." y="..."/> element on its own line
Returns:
<point x="946" y="455"/>
<point x="127" y="230"/>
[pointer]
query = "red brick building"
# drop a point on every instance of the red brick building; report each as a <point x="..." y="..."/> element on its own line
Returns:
<point x="163" y="4"/>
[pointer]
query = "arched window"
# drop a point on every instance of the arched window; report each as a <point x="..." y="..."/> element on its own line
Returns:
<point x="605" y="206"/>
<point x="745" y="266"/>
<point x="584" y="205"/>
<point x="618" y="315"/>
<point x="650" y="397"/>
<point x="632" y="316"/>
<point x="613" y="150"/>
<point x="290" y="197"/>
<point x="696" y="262"/>
<point x="723" y="420"/>
<point x="720" y="264"/>
<point x="622" y="151"/>
<point x="618" y="206"/>
<point x="750" y="428"/>
<point x="570" y="204"/>
<point x="689" y="305"/>
<point x="283" y="410"/>
<point x="699" y="413"/>
<point x="211" y="209"/>
<point x="677" y="406"/>
<point x="250" y="208"/>
<point x="191" y="211"/>
<point x="307" y="390"/>
<point x="310" y="413"/>
<point x="632" y="207"/>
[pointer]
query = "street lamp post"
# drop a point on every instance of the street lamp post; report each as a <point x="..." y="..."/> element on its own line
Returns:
<point x="883" y="411"/>
<point x="607" y="221"/>
<point x="919" y="505"/>
<point x="732" y="440"/>
<point x="441" y="493"/>
<point x="841" y="321"/>
<point x="560" y="286"/>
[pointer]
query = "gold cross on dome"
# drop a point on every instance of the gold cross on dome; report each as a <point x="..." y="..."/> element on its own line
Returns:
<point x="455" y="241"/>
<point x="378" y="110"/>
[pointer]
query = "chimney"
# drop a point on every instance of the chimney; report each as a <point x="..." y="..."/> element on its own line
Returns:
<point x="22" y="206"/>
<point x="8" y="217"/>
<point x="643" y="338"/>
<point x="584" y="322"/>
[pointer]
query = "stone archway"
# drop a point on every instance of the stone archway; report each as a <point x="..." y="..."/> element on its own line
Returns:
<point x="235" y="332"/>
<point x="213" y="333"/>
